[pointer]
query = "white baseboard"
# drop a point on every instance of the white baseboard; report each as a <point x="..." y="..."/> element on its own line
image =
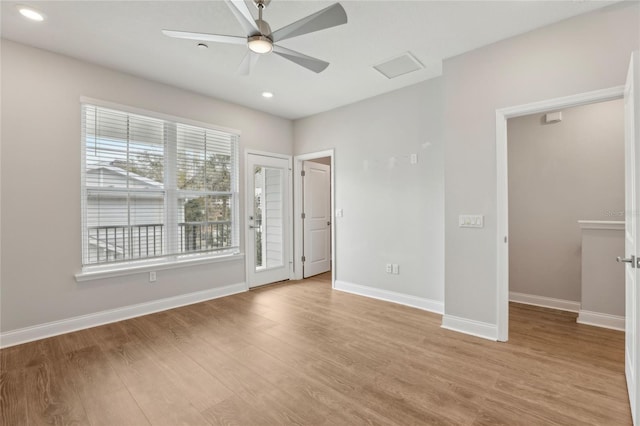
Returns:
<point x="472" y="327"/>
<point x="42" y="331"/>
<point x="597" y="319"/>
<point x="391" y="296"/>
<point x="545" y="302"/>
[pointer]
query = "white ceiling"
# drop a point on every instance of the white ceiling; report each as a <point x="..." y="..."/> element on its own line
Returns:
<point x="125" y="35"/>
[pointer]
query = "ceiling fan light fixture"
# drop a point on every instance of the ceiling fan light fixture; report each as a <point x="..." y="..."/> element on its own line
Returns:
<point x="260" y="44"/>
<point x="260" y="39"/>
<point x="30" y="13"/>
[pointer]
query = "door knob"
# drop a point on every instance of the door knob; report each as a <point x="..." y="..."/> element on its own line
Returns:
<point x="631" y="260"/>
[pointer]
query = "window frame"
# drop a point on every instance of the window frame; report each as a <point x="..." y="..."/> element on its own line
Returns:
<point x="170" y="191"/>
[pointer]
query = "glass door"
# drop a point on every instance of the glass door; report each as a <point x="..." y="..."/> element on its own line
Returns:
<point x="268" y="219"/>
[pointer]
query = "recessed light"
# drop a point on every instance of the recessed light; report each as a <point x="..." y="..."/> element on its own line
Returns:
<point x="267" y="95"/>
<point x="202" y="46"/>
<point x="30" y="13"/>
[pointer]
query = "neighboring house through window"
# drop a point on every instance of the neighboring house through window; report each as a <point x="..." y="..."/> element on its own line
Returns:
<point x="156" y="188"/>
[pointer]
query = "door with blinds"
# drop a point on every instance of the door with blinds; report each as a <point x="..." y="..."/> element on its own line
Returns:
<point x="268" y="219"/>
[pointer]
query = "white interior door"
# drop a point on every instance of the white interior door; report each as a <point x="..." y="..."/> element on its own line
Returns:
<point x="632" y="237"/>
<point x="268" y="219"/>
<point x="317" y="218"/>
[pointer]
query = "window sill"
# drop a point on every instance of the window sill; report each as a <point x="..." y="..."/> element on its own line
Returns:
<point x="120" y="270"/>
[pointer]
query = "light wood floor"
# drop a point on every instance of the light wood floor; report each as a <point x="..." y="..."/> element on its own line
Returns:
<point x="300" y="353"/>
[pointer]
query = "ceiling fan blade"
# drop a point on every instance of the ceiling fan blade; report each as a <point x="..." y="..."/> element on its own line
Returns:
<point x="313" y="64"/>
<point x="331" y="16"/>
<point x="205" y="37"/>
<point x="247" y="64"/>
<point x="242" y="14"/>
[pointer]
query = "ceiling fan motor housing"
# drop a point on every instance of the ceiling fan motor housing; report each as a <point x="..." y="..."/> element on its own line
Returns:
<point x="264" y="27"/>
<point x="261" y="3"/>
<point x="260" y="42"/>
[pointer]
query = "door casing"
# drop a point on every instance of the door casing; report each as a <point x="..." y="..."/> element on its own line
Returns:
<point x="297" y="211"/>
<point x="502" y="207"/>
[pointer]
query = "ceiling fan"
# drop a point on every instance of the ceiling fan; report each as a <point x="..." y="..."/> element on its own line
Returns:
<point x="260" y="40"/>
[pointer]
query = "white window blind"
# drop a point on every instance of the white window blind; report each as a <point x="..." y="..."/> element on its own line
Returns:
<point x="154" y="188"/>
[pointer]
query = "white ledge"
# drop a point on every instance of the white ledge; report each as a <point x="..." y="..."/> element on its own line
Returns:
<point x="613" y="225"/>
<point x="129" y="269"/>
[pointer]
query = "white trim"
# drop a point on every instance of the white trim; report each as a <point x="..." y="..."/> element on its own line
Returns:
<point x="545" y="302"/>
<point x="502" y="240"/>
<point x="586" y="98"/>
<point x="248" y="151"/>
<point x="391" y="296"/>
<point x="128" y="269"/>
<point x="613" y="225"/>
<point x="467" y="326"/>
<point x="502" y="186"/>
<point x="155" y="114"/>
<point x="597" y="319"/>
<point x="42" y="331"/>
<point x="297" y="209"/>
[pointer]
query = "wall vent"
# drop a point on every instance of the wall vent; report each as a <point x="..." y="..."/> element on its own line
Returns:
<point x="399" y="65"/>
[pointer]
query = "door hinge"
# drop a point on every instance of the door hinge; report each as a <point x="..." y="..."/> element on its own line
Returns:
<point x="304" y="216"/>
<point x="303" y="173"/>
<point x="304" y="259"/>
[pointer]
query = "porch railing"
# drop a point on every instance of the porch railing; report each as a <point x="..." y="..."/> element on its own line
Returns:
<point x="118" y="243"/>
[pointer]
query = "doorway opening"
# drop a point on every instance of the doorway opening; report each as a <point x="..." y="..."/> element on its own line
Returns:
<point x="566" y="212"/>
<point x="503" y="184"/>
<point x="316" y="217"/>
<point x="314" y="228"/>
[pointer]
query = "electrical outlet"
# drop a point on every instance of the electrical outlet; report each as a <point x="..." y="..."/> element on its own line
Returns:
<point x="395" y="269"/>
<point x="152" y="276"/>
<point x="388" y="269"/>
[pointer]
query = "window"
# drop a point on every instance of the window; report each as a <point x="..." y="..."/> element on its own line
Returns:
<point x="155" y="188"/>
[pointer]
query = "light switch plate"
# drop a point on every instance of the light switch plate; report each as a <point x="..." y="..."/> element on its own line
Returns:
<point x="339" y="213"/>
<point x="471" y="221"/>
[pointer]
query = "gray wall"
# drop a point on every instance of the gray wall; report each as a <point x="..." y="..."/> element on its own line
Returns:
<point x="41" y="184"/>
<point x="603" y="282"/>
<point x="392" y="212"/>
<point x="558" y="174"/>
<point x="578" y="55"/>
